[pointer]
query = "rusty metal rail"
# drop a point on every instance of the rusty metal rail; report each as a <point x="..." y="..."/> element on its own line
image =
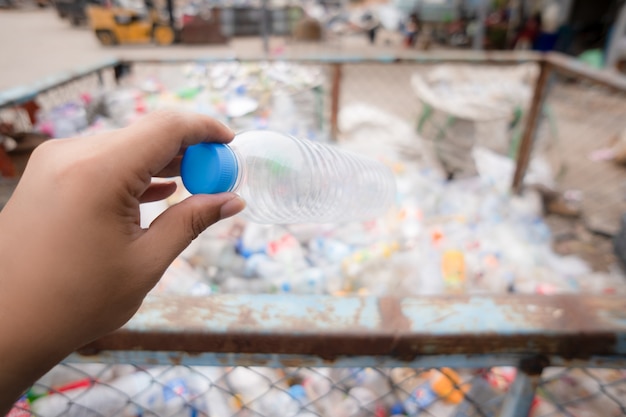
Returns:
<point x="558" y="329"/>
<point x="22" y="94"/>
<point x="526" y="331"/>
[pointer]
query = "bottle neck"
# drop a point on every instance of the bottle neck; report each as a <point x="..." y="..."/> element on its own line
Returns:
<point x="240" y="170"/>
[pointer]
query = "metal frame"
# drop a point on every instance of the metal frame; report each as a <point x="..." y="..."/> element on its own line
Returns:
<point x="526" y="331"/>
<point x="537" y="330"/>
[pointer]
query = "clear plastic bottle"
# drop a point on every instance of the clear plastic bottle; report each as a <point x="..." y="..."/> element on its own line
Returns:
<point x="287" y="180"/>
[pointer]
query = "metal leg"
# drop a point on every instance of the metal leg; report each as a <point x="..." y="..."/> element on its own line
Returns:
<point x="530" y="130"/>
<point x="334" y="100"/>
<point x="520" y="397"/>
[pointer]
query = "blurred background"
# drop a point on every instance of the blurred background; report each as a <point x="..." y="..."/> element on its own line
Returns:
<point x="503" y="123"/>
<point x="588" y="30"/>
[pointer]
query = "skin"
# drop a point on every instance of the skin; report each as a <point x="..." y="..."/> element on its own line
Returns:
<point x="74" y="262"/>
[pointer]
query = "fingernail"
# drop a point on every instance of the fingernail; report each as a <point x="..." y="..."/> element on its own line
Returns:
<point x="232" y="207"/>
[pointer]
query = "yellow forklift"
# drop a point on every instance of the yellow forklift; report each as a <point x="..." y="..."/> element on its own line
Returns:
<point x="114" y="25"/>
<point x="142" y="23"/>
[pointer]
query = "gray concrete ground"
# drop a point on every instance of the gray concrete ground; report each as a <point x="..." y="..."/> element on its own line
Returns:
<point x="36" y="43"/>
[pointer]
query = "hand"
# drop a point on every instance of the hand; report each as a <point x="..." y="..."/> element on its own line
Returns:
<point x="74" y="262"/>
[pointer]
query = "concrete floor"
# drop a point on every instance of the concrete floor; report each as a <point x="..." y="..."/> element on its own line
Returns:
<point x="36" y="43"/>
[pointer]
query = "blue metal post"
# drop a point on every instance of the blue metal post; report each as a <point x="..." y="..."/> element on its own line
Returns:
<point x="481" y="17"/>
<point x="520" y="397"/>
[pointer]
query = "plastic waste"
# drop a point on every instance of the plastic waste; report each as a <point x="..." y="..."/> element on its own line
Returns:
<point x="481" y="393"/>
<point x="376" y="381"/>
<point x="253" y="385"/>
<point x="21" y="408"/>
<point x="63" y="121"/>
<point x="173" y="392"/>
<point x="360" y="402"/>
<point x="420" y="399"/>
<point x="64" y="375"/>
<point x="444" y="384"/>
<point x="318" y="386"/>
<point x="287" y="180"/>
<point x="279" y="403"/>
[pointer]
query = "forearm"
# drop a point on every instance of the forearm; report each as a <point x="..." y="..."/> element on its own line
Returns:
<point x="22" y="364"/>
<point x="29" y="343"/>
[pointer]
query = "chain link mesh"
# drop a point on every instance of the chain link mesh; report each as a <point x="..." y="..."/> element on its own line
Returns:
<point x="79" y="90"/>
<point x="126" y="390"/>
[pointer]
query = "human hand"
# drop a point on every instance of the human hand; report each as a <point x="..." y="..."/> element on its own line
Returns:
<point x="74" y="262"/>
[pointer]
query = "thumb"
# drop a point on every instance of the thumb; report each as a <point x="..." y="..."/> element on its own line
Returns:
<point x="171" y="232"/>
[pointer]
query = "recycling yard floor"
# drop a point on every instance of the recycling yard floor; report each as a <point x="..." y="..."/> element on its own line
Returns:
<point x="588" y="119"/>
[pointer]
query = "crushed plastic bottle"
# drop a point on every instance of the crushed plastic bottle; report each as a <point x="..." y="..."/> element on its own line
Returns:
<point x="288" y="180"/>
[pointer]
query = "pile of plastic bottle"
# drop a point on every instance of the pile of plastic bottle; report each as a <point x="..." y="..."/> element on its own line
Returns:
<point x="125" y="390"/>
<point x="442" y="237"/>
<point x="465" y="236"/>
<point x="282" y="96"/>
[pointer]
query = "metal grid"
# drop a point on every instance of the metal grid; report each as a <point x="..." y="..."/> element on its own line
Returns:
<point x="580" y="391"/>
<point x="57" y="91"/>
<point x="109" y="390"/>
<point x="126" y="390"/>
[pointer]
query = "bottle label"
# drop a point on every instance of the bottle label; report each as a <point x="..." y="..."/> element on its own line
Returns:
<point x="176" y="388"/>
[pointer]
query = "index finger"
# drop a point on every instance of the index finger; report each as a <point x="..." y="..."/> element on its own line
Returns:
<point x="154" y="141"/>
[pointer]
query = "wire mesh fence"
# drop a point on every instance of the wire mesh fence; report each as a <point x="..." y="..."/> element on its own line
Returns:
<point x="126" y="390"/>
<point x="80" y="90"/>
<point x="580" y="391"/>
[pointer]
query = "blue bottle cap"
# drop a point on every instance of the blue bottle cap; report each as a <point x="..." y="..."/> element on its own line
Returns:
<point x="209" y="168"/>
<point x="297" y="391"/>
<point x="397" y="408"/>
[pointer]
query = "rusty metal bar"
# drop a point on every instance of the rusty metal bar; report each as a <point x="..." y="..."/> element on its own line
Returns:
<point x="572" y="67"/>
<point x="335" y="96"/>
<point x="519" y="398"/>
<point x="559" y="62"/>
<point x="147" y="358"/>
<point x="567" y="327"/>
<point x="426" y="58"/>
<point x="530" y="130"/>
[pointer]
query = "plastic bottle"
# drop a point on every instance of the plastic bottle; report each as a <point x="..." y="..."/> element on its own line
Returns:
<point x="287" y="180"/>
<point x="360" y="402"/>
<point x="319" y="389"/>
<point x="67" y="375"/>
<point x="173" y="393"/>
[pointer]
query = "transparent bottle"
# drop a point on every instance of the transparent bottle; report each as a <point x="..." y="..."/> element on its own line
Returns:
<point x="287" y="180"/>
